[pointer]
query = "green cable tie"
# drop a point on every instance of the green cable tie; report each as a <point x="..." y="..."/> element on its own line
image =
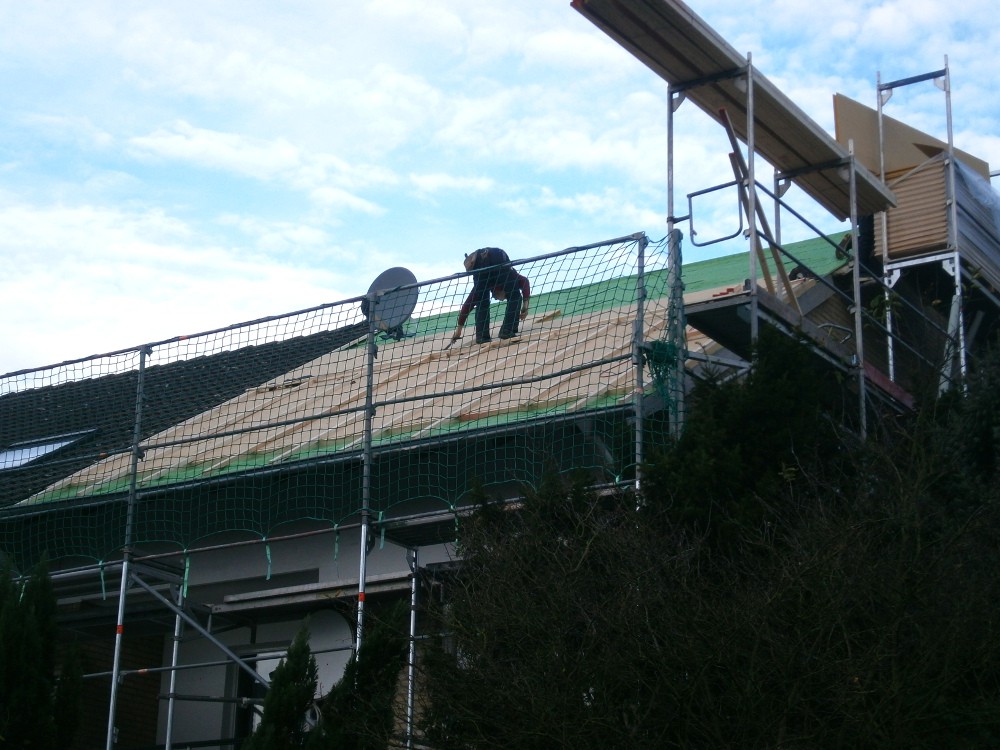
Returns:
<point x="336" y="542"/>
<point x="267" y="551"/>
<point x="104" y="588"/>
<point x="381" y="543"/>
<point x="187" y="574"/>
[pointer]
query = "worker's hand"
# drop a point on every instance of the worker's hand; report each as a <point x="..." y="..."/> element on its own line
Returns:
<point x="457" y="334"/>
<point x="524" y="312"/>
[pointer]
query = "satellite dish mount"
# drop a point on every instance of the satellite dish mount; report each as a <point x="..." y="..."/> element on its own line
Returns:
<point x="390" y="301"/>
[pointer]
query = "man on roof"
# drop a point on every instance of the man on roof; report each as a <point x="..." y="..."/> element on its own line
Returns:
<point x="492" y="273"/>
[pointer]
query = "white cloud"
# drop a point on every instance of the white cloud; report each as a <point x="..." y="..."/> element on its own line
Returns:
<point x="172" y="166"/>
<point x="76" y="130"/>
<point x="210" y="55"/>
<point x="549" y="131"/>
<point x="327" y="179"/>
<point x="438" y="181"/>
<point x="610" y="207"/>
<point x="263" y="160"/>
<point x="899" y="24"/>
<point x="566" y="51"/>
<point x="296" y="243"/>
<point x="146" y="275"/>
<point x="92" y="280"/>
<point x="335" y="197"/>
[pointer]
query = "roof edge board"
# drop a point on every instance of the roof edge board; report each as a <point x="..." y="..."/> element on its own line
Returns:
<point x="676" y="44"/>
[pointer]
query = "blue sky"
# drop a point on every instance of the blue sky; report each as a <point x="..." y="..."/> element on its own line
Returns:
<point x="170" y="167"/>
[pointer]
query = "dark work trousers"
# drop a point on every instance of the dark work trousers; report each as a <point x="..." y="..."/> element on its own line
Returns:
<point x="506" y="278"/>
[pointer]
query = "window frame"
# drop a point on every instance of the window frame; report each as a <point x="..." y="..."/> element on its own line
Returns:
<point x="23" y="453"/>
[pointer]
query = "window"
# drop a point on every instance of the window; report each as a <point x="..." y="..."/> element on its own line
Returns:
<point x="16" y="455"/>
<point x="250" y="693"/>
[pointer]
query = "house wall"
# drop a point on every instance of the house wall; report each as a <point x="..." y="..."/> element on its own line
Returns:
<point x="212" y="718"/>
<point x="136" y="714"/>
<point x="294" y="565"/>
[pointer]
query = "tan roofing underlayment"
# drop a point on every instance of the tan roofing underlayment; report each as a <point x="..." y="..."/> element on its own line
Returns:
<point x="241" y="432"/>
<point x="275" y="422"/>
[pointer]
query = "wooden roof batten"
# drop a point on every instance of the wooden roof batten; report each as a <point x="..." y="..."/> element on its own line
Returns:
<point x="677" y="45"/>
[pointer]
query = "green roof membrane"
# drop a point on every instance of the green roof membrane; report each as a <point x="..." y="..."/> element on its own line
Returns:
<point x="818" y="255"/>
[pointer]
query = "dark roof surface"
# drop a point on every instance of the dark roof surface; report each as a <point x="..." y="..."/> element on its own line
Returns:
<point x="104" y="408"/>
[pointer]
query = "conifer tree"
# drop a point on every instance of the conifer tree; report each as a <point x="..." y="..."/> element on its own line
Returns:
<point x="291" y="694"/>
<point x="31" y="714"/>
<point x="358" y="712"/>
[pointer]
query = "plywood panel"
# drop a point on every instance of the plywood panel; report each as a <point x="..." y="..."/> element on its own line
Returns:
<point x="905" y="147"/>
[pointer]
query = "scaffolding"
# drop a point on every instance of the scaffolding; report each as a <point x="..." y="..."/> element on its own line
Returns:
<point x="841" y="319"/>
<point x="941" y="250"/>
<point x="336" y="440"/>
<point x="727" y="87"/>
<point x="375" y="432"/>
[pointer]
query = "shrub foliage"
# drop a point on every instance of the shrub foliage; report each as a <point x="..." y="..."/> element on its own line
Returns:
<point x="779" y="584"/>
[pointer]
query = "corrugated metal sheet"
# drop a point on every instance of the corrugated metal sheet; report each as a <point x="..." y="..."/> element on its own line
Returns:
<point x="919" y="223"/>
<point x="918" y="226"/>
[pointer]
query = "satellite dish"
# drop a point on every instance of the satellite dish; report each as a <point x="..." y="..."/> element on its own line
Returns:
<point x="394" y="305"/>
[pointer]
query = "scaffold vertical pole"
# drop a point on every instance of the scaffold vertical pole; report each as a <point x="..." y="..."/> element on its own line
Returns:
<point x="888" y="279"/>
<point x="411" y="666"/>
<point x="638" y="361"/>
<point x="752" y="205"/>
<point x="366" y="472"/>
<point x="676" y="333"/>
<point x="174" y="658"/>
<point x="953" y="234"/>
<point x="127" y="548"/>
<point x="675" y="283"/>
<point x="859" y="347"/>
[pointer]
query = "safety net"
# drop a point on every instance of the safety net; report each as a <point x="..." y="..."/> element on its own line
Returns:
<point x="363" y="404"/>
